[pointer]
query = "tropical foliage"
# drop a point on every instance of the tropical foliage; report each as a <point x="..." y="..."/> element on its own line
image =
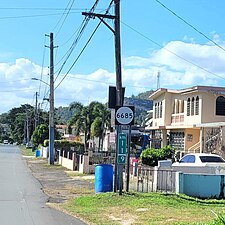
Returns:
<point x="151" y="156"/>
<point x="91" y="120"/>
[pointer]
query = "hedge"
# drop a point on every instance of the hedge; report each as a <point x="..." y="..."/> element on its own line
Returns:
<point x="66" y="145"/>
<point x="151" y="156"/>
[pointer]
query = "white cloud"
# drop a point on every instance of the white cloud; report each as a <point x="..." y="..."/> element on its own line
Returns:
<point x="139" y="74"/>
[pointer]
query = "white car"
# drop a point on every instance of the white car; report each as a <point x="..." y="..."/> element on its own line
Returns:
<point x="200" y="159"/>
<point x="6" y="142"/>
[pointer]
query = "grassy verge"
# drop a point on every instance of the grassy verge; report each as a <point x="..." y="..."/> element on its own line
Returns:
<point x="145" y="209"/>
<point x="26" y="151"/>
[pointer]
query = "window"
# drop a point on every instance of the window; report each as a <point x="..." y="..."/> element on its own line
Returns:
<point x="192" y="106"/>
<point x="156" y="110"/>
<point x="188" y="106"/>
<point x="197" y="106"/>
<point x="188" y="159"/>
<point x="181" y="106"/>
<point x="160" y="111"/>
<point x="220" y="106"/>
<point x="211" y="159"/>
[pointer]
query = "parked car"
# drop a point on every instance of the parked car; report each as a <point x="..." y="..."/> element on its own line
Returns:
<point x="200" y="159"/>
<point x="29" y="145"/>
<point x="6" y="142"/>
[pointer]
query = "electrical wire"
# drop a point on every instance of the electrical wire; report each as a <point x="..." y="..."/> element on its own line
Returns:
<point x="187" y="23"/>
<point x="178" y="56"/>
<point x="19" y="90"/>
<point x="42" y="65"/>
<point x="67" y="13"/>
<point x="88" y="41"/>
<point x="79" y="55"/>
<point x="32" y="16"/>
<point x="82" y="28"/>
<point x="101" y="82"/>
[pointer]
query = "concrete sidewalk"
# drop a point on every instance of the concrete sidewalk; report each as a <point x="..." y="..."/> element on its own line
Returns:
<point x="56" y="183"/>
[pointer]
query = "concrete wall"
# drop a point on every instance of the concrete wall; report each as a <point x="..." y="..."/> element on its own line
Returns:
<point x="203" y="186"/>
<point x="66" y="162"/>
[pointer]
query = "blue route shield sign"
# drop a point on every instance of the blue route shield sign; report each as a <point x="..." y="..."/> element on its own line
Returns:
<point x="122" y="146"/>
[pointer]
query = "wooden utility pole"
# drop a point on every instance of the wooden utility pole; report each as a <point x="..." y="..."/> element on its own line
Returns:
<point x="51" y="100"/>
<point x="119" y="93"/>
<point x="36" y="111"/>
<point x="118" y="173"/>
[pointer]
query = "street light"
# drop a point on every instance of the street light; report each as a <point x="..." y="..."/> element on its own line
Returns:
<point x="51" y="119"/>
<point x="34" y="78"/>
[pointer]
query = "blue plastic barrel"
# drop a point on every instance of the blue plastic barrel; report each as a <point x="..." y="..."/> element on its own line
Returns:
<point x="37" y="153"/>
<point x="103" y="178"/>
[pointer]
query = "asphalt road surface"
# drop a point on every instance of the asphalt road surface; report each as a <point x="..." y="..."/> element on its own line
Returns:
<point x="22" y="201"/>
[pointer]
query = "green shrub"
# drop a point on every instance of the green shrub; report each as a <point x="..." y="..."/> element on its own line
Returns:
<point x="151" y="156"/>
<point x="66" y="145"/>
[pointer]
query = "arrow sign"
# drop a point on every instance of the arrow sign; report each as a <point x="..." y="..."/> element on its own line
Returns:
<point x="122" y="146"/>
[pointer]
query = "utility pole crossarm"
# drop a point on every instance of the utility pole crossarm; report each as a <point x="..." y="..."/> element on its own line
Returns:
<point x="93" y="15"/>
<point x="100" y="16"/>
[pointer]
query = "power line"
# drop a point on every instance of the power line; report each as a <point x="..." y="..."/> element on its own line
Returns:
<point x="194" y="28"/>
<point x="19" y="90"/>
<point x="178" y="56"/>
<point x="42" y="66"/>
<point x="82" y="28"/>
<point x="67" y="11"/>
<point x="5" y="82"/>
<point x="110" y="5"/>
<point x="30" y="16"/>
<point x="102" y="82"/>
<point x="44" y="9"/>
<point x="79" y="55"/>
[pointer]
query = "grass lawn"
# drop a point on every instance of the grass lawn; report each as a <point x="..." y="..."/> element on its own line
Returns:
<point x="144" y="208"/>
<point x="26" y="151"/>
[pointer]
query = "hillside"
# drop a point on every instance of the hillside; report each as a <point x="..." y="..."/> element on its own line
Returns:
<point x="141" y="103"/>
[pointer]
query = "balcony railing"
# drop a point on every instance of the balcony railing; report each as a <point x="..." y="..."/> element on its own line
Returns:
<point x="177" y="118"/>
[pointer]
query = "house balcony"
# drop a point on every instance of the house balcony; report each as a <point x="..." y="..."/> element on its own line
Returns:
<point x="177" y="118"/>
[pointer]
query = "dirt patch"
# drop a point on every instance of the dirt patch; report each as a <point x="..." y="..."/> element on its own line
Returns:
<point x="56" y="183"/>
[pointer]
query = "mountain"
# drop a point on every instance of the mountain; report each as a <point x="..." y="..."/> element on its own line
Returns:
<point x="142" y="104"/>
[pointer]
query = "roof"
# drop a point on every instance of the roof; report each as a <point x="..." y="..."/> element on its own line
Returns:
<point x="216" y="90"/>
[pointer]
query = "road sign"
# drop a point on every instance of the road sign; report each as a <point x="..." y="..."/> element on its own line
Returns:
<point x="125" y="115"/>
<point x="121" y="159"/>
<point x="122" y="146"/>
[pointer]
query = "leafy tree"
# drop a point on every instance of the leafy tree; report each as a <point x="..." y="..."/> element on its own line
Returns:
<point x="16" y="119"/>
<point x="40" y="134"/>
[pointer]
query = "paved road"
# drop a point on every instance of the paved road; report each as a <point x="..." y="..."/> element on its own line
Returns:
<point x="22" y="201"/>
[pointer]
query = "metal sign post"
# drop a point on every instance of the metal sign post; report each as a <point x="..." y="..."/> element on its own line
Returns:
<point x="124" y="116"/>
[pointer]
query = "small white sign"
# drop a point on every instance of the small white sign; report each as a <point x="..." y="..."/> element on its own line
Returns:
<point x="124" y="115"/>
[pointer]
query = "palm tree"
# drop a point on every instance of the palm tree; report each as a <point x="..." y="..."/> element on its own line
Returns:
<point x="101" y="122"/>
<point x="80" y="120"/>
<point x="95" y="117"/>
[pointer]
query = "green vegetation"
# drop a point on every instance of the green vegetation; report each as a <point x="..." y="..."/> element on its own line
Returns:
<point x="92" y="120"/>
<point x="151" y="156"/>
<point x="26" y="151"/>
<point x="145" y="209"/>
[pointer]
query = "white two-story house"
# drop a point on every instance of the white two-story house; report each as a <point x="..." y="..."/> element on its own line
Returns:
<point x="190" y="120"/>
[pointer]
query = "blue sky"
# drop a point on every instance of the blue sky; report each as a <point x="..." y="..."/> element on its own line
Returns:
<point x="152" y="40"/>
